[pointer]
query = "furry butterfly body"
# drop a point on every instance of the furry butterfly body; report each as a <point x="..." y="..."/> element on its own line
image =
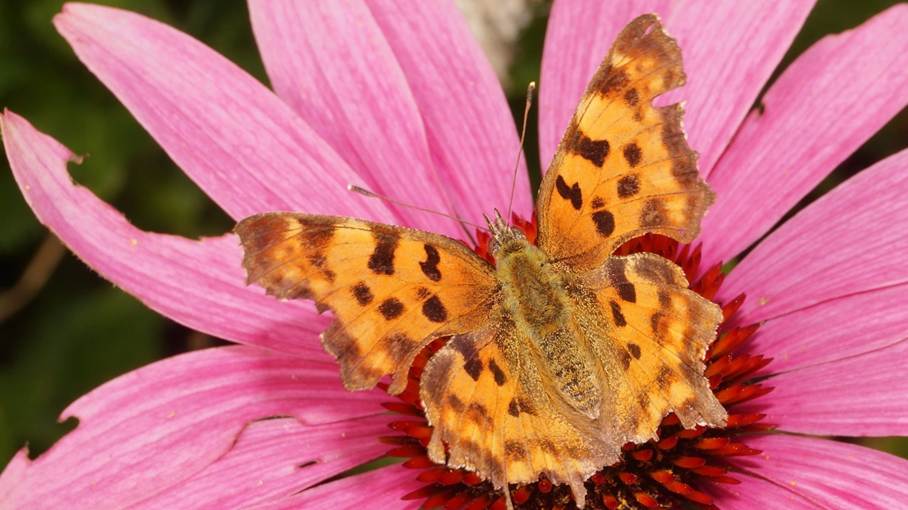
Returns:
<point x="561" y="352"/>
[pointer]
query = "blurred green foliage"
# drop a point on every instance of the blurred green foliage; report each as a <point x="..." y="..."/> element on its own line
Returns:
<point x="78" y="331"/>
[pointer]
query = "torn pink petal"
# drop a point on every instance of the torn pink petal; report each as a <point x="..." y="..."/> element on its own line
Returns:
<point x="826" y="104"/>
<point x="385" y="485"/>
<point x="835" y="329"/>
<point x="157" y="427"/>
<point x="830" y="474"/>
<point x="275" y="459"/>
<point x="197" y="283"/>
<point x="238" y="141"/>
<point x="857" y="395"/>
<point x="332" y="64"/>
<point x="849" y="241"/>
<point x="470" y="131"/>
<point x="729" y="51"/>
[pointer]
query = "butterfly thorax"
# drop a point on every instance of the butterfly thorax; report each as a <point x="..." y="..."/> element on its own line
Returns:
<point x="535" y="298"/>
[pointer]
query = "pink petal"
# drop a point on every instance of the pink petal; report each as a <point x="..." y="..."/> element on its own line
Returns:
<point x="835" y="329"/>
<point x="381" y="488"/>
<point x="156" y="427"/>
<point x="231" y="135"/>
<point x="858" y="395"/>
<point x="829" y="102"/>
<point x="729" y="51"/>
<point x="470" y="131"/>
<point x="829" y="474"/>
<point x="332" y="64"/>
<point x="753" y="493"/>
<point x="849" y="241"/>
<point x="274" y="460"/>
<point x="197" y="283"/>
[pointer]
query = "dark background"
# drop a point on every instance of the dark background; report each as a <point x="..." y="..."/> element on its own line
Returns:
<point x="64" y="330"/>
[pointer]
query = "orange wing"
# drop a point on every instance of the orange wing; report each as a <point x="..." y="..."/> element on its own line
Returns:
<point x="656" y="336"/>
<point x="492" y="414"/>
<point x="623" y="167"/>
<point x="392" y="289"/>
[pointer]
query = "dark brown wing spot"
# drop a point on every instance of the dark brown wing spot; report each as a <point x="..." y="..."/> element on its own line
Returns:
<point x="632" y="154"/>
<point x="628" y="186"/>
<point x="605" y="223"/>
<point x="634" y="350"/>
<point x="317" y="233"/>
<point x="514" y="408"/>
<point x="435" y="377"/>
<point x="571" y="193"/>
<point x="479" y="414"/>
<point x="473" y="367"/>
<point x="391" y="308"/>
<point x="472" y="364"/>
<point x="434" y="310"/>
<point x="643" y="400"/>
<point x="664" y="378"/>
<point x="498" y="373"/>
<point x="655" y="321"/>
<point x="430" y="265"/>
<point x="652" y="214"/>
<point x="399" y="347"/>
<point x="610" y="80"/>
<point x="362" y="293"/>
<point x="469" y="449"/>
<point x="340" y="343"/>
<point x="628" y="292"/>
<point x="515" y="450"/>
<point x="594" y="151"/>
<point x="597" y="203"/>
<point x="456" y="404"/>
<point x="464" y="346"/>
<point x="618" y="279"/>
<point x="321" y="263"/>
<point x="655" y="270"/>
<point x="625" y="359"/>
<point x="620" y="321"/>
<point x="382" y="259"/>
<point x="631" y="97"/>
<point x="527" y="407"/>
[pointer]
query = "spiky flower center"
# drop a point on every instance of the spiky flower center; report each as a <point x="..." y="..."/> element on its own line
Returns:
<point x="675" y="471"/>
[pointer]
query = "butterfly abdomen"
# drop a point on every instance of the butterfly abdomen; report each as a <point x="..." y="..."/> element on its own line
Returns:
<point x="534" y="297"/>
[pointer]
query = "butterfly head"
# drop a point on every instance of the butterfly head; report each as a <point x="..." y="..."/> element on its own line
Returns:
<point x="505" y="238"/>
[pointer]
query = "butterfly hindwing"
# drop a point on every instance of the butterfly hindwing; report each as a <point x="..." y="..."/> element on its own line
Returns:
<point x="624" y="167"/>
<point x="656" y="337"/>
<point x="391" y="289"/>
<point x="491" y="415"/>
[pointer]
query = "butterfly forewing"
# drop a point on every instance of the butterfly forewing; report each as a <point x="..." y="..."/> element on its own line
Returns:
<point x="623" y="167"/>
<point x="391" y="289"/>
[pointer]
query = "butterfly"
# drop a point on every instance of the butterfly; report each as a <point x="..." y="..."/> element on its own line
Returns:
<point x="561" y="352"/>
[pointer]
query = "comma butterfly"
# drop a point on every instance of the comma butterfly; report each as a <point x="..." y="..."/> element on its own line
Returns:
<point x="561" y="352"/>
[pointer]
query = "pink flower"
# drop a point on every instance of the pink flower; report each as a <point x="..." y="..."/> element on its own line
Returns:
<point x="399" y="99"/>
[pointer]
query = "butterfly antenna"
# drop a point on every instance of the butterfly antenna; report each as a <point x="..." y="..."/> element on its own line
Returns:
<point x="371" y="194"/>
<point x="531" y="88"/>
